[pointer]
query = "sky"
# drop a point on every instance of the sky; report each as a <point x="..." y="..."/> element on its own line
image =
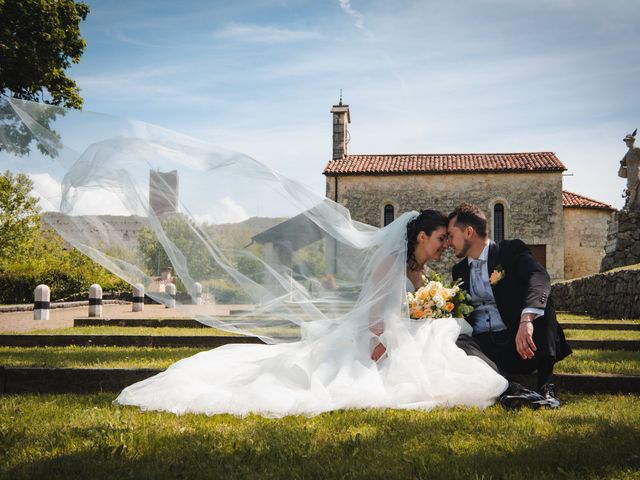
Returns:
<point x="420" y="76"/>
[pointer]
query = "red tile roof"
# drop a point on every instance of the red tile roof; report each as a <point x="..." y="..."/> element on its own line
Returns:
<point x="445" y="163"/>
<point x="573" y="200"/>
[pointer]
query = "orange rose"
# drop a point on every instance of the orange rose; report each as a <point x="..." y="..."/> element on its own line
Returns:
<point x="449" y="307"/>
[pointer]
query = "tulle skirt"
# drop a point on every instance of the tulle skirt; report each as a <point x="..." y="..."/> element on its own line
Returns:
<point x="422" y="369"/>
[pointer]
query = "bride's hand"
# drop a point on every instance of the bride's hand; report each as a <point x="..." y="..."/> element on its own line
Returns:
<point x="378" y="352"/>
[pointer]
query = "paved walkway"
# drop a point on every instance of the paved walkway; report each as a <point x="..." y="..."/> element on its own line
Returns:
<point x="63" y="317"/>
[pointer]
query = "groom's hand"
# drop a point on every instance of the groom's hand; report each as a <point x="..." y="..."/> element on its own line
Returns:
<point x="378" y="352"/>
<point x="524" y="338"/>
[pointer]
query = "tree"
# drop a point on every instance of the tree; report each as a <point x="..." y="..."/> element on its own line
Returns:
<point x="39" y="40"/>
<point x="19" y="214"/>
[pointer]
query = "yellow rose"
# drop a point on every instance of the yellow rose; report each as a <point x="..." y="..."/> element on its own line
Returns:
<point x="422" y="294"/>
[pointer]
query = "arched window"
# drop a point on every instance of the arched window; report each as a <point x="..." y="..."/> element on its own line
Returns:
<point x="498" y="222"/>
<point x="388" y="214"/>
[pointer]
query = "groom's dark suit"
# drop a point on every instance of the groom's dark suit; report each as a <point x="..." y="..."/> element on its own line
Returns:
<point x="525" y="284"/>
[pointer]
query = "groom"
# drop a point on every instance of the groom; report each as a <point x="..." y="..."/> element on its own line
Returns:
<point x="514" y="322"/>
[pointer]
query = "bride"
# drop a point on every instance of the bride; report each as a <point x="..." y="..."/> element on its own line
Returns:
<point x="98" y="175"/>
<point x="414" y="364"/>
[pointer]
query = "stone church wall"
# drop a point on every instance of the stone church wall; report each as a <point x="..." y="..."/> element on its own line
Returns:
<point x="532" y="203"/>
<point x="585" y="234"/>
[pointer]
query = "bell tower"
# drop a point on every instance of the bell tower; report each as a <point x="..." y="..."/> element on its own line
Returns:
<point x="341" y="121"/>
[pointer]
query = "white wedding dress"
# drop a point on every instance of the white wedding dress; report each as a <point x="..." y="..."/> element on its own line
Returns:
<point x="97" y="174"/>
<point x="423" y="369"/>
<point x="331" y="368"/>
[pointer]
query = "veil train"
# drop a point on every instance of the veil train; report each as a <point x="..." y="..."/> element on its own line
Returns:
<point x="138" y="198"/>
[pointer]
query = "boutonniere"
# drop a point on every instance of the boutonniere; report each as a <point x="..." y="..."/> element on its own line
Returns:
<point x="497" y="275"/>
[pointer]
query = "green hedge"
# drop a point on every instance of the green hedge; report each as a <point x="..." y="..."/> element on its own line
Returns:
<point x="18" y="287"/>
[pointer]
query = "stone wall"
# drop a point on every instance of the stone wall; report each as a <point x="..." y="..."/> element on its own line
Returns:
<point x="623" y="240"/>
<point x="532" y="203"/>
<point x="605" y="295"/>
<point x="585" y="235"/>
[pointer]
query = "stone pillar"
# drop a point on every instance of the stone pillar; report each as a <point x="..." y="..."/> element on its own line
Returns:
<point x="95" y="300"/>
<point x="137" y="302"/>
<point x="42" y="296"/>
<point x="170" y="290"/>
<point x="341" y="121"/>
<point x="197" y="293"/>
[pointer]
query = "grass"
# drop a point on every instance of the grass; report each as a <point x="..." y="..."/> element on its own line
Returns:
<point x="93" y="357"/>
<point x="572" y="318"/>
<point x="111" y="330"/>
<point x="202" y="332"/>
<point x="86" y="436"/>
<point x="601" y="361"/>
<point x="602" y="334"/>
<point x="581" y="361"/>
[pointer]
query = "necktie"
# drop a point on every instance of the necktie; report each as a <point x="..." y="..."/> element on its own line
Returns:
<point x="476" y="278"/>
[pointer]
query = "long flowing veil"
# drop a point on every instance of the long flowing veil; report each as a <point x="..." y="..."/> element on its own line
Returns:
<point x="140" y="200"/>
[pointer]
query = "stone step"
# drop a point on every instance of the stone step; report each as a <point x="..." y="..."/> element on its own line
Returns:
<point x="167" y="322"/>
<point x="601" y="326"/>
<point x="138" y="322"/>
<point x="631" y="345"/>
<point x="122" y="341"/>
<point x="212" y="341"/>
<point x="15" y="380"/>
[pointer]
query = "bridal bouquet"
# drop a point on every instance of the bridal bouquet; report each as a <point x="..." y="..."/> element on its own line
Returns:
<point x="435" y="299"/>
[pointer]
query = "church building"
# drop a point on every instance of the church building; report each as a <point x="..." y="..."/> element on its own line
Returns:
<point x="521" y="193"/>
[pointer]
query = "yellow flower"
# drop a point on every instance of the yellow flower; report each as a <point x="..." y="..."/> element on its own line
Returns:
<point x="422" y="294"/>
<point x="497" y="275"/>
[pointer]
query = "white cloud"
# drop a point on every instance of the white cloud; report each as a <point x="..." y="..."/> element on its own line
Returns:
<point x="264" y="34"/>
<point x="48" y="190"/>
<point x="88" y="202"/>
<point x="224" y="210"/>
<point x="356" y="15"/>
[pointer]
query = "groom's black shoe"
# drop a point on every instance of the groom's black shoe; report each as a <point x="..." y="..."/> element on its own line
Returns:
<point x="516" y="396"/>
<point x="548" y="391"/>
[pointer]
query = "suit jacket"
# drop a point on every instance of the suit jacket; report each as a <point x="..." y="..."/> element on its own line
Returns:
<point x="526" y="283"/>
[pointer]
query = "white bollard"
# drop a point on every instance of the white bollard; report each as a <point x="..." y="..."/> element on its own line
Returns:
<point x="197" y="293"/>
<point x="137" y="304"/>
<point x="170" y="289"/>
<point x="95" y="300"/>
<point x="42" y="297"/>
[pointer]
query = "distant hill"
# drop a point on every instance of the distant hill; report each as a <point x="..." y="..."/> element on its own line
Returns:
<point x="253" y="225"/>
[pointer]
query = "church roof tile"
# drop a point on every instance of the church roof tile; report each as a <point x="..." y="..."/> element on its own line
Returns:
<point x="445" y="163"/>
<point x="573" y="200"/>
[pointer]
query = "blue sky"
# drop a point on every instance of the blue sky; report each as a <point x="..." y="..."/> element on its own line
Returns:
<point x="420" y="77"/>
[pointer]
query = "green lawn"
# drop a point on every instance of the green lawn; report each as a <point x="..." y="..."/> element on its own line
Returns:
<point x="601" y="361"/>
<point x="169" y="331"/>
<point x="573" y="318"/>
<point x="581" y="361"/>
<point x="602" y="334"/>
<point x="86" y="436"/>
<point x="93" y="357"/>
<point x="150" y="331"/>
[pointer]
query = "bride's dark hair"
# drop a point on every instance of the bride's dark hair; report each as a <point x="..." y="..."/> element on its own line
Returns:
<point x="427" y="222"/>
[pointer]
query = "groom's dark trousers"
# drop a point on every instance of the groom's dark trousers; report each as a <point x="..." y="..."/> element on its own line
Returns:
<point x="525" y="283"/>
